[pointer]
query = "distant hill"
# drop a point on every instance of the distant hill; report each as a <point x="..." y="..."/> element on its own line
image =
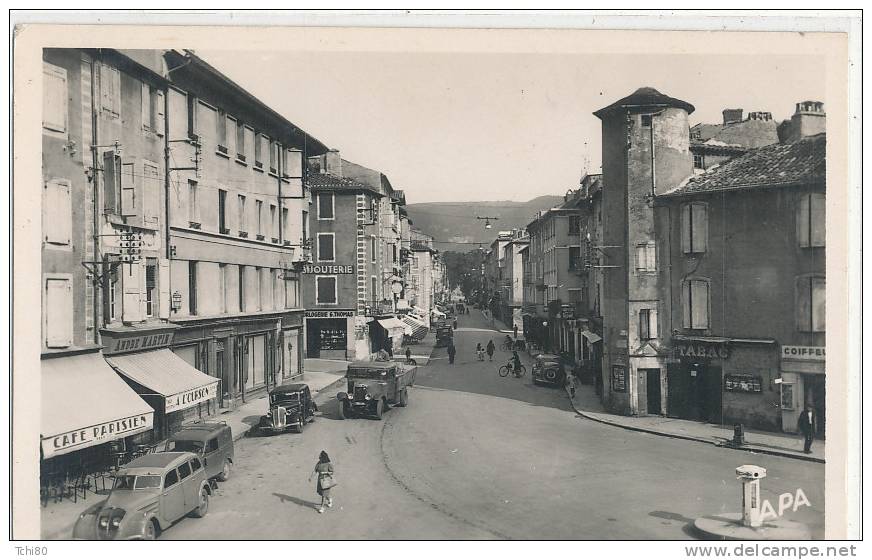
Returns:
<point x="454" y="225"/>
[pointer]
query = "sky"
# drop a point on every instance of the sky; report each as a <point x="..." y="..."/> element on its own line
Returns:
<point x="469" y="126"/>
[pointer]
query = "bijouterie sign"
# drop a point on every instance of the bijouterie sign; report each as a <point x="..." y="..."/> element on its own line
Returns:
<point x="189" y="398"/>
<point x="328" y="269"/>
<point x="92" y="435"/>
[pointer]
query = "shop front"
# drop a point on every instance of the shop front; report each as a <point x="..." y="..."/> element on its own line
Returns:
<point x="387" y="333"/>
<point x="803" y="382"/>
<point x="327" y="333"/>
<point x="291" y="346"/>
<point x="85" y="409"/>
<point x="724" y="381"/>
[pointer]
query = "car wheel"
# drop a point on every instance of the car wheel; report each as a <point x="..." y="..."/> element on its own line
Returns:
<point x="149" y="533"/>
<point x="343" y="412"/>
<point x="299" y="427"/>
<point x="551" y="376"/>
<point x="404" y="397"/>
<point x="203" y="506"/>
<point x="379" y="409"/>
<point x="225" y="471"/>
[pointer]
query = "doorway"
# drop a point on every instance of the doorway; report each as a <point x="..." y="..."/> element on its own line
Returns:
<point x="652" y="379"/>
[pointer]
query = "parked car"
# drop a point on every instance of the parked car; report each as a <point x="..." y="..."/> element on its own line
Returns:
<point x="373" y="387"/>
<point x="212" y="441"/>
<point x="150" y="494"/>
<point x="548" y="368"/>
<point x="290" y="407"/>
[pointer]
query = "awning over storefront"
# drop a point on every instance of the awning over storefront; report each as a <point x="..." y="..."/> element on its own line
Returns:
<point x="591" y="337"/>
<point x="85" y="403"/>
<point x="181" y="385"/>
<point x="392" y="323"/>
<point x="419" y="329"/>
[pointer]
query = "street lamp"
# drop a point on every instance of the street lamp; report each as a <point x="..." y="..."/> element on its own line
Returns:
<point x="487" y="219"/>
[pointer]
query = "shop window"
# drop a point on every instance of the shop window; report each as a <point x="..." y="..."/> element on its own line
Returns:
<point x="57" y="213"/>
<point x="694" y="227"/>
<point x="326" y="247"/>
<point x="695" y="304"/>
<point x="811" y="304"/>
<point x="325" y="287"/>
<point x="325" y="206"/>
<point x="811" y="220"/>
<point x="646" y="257"/>
<point x="150" y="286"/>
<point x="58" y="312"/>
<point x="54" y="98"/>
<point x="192" y="287"/>
<point x="788" y="399"/>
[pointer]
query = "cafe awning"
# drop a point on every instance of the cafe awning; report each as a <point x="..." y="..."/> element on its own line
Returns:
<point x="419" y="329"/>
<point x="85" y="403"/>
<point x="591" y="337"/>
<point x="392" y="323"/>
<point x="181" y="385"/>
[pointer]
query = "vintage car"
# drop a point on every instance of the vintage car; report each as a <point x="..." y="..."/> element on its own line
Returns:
<point x="548" y="368"/>
<point x="290" y="407"/>
<point x="373" y="387"/>
<point x="212" y="441"/>
<point x="444" y="334"/>
<point x="149" y="494"/>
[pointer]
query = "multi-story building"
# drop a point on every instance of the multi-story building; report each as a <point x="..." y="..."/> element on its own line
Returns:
<point x="513" y="279"/>
<point x="712" y="144"/>
<point x="237" y="229"/>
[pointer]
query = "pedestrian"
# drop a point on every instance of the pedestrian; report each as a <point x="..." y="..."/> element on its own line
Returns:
<point x="326" y="482"/>
<point x="479" y="352"/>
<point x="570" y="383"/>
<point x="408" y="354"/>
<point x="515" y="330"/>
<point x="808" y="426"/>
<point x="455" y="324"/>
<point x="490" y="350"/>
<point x="451" y="352"/>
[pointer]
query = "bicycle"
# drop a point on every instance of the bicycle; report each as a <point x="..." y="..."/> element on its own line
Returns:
<point x="506" y="346"/>
<point x="506" y="369"/>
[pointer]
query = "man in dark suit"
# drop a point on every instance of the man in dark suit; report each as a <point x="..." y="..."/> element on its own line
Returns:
<point x="808" y="425"/>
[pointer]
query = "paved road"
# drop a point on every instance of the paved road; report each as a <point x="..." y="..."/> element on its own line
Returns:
<point x="476" y="456"/>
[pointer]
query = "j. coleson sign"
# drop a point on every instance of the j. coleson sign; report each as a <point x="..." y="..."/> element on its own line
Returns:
<point x="189" y="398"/>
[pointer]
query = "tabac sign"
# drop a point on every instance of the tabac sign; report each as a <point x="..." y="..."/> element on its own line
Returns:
<point x="693" y="349"/>
<point x="93" y="435"/>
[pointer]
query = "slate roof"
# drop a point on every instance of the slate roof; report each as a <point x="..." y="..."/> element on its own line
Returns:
<point x="648" y="97"/>
<point x="778" y="165"/>
<point x="327" y="182"/>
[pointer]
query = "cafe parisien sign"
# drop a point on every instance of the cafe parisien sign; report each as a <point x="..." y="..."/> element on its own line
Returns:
<point x="92" y="435"/>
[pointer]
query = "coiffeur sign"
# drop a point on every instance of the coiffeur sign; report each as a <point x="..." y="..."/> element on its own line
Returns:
<point x="85" y="437"/>
<point x="189" y="398"/>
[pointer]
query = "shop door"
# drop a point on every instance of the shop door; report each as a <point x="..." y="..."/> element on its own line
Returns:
<point x="222" y="372"/>
<point x="815" y="395"/>
<point x="653" y="390"/>
<point x="679" y="378"/>
<point x="313" y="335"/>
<point x="708" y="383"/>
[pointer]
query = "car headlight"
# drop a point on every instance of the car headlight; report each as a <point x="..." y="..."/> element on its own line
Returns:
<point x="269" y="414"/>
<point x="368" y="397"/>
<point x="104" y="522"/>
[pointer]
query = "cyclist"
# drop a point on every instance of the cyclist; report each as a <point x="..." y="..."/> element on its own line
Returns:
<point x="516" y="363"/>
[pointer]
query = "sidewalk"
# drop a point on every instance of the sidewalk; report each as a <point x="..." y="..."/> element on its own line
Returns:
<point x="421" y="351"/>
<point x="57" y="520"/>
<point x="587" y="404"/>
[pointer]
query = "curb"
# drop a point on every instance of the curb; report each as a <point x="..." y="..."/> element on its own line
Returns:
<point x="722" y="445"/>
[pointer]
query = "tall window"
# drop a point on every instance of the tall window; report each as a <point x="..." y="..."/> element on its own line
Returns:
<point x="273" y="225"/>
<point x="574" y="225"/>
<point x="285" y="224"/>
<point x="811" y="220"/>
<point x="698" y="161"/>
<point x="646" y="257"/>
<point x="194" y="202"/>
<point x="326" y="247"/>
<point x="372" y="248"/>
<point x="222" y="286"/>
<point x="325" y="206"/>
<point x="243" y="228"/>
<point x="647" y="324"/>
<point x="258" y="150"/>
<point x="325" y="289"/>
<point x="259" y="211"/>
<point x="695" y="304"/>
<point x="221" y="132"/>
<point x="259" y="276"/>
<point x="694" y="227"/>
<point x="305" y="226"/>
<point x="192" y="287"/>
<point x="811" y="294"/>
<point x="241" y="288"/>
<point x="54" y="98"/>
<point x="574" y="258"/>
<point x="110" y="91"/>
<point x="222" y="212"/>
<point x="273" y="159"/>
<point x="240" y="141"/>
<point x="152" y="109"/>
<point x="150" y="286"/>
<point x="193" y="108"/>
<point x="113" y="295"/>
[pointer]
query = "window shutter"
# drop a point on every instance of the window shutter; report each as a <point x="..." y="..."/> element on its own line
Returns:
<point x="640" y="256"/>
<point x="818" y="304"/>
<point x="151" y="192"/>
<point x="159" y="113"/>
<point x="130" y="282"/>
<point x="110" y="89"/>
<point x="163" y="284"/>
<point x="143" y="282"/>
<point x="57" y="212"/>
<point x="802" y="216"/>
<point x="685" y="228"/>
<point x="54" y="98"/>
<point x="651" y="260"/>
<point x="652" y="323"/>
<point x="111" y="181"/>
<point x="58" y="313"/>
<point x="700" y="228"/>
<point x="294" y="164"/>
<point x="129" y="203"/>
<point x="700" y="297"/>
<point x="818" y="203"/>
<point x="146" y="106"/>
<point x="685" y="306"/>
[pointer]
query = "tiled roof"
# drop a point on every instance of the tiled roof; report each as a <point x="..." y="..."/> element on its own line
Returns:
<point x="327" y="182"/>
<point x="800" y="162"/>
<point x="645" y="97"/>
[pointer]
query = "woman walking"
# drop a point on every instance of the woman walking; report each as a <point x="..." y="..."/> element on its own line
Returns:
<point x="324" y="470"/>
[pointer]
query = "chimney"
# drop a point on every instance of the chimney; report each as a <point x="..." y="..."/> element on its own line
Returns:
<point x="760" y="116"/>
<point x="333" y="163"/>
<point x="732" y="115"/>
<point x="808" y="120"/>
